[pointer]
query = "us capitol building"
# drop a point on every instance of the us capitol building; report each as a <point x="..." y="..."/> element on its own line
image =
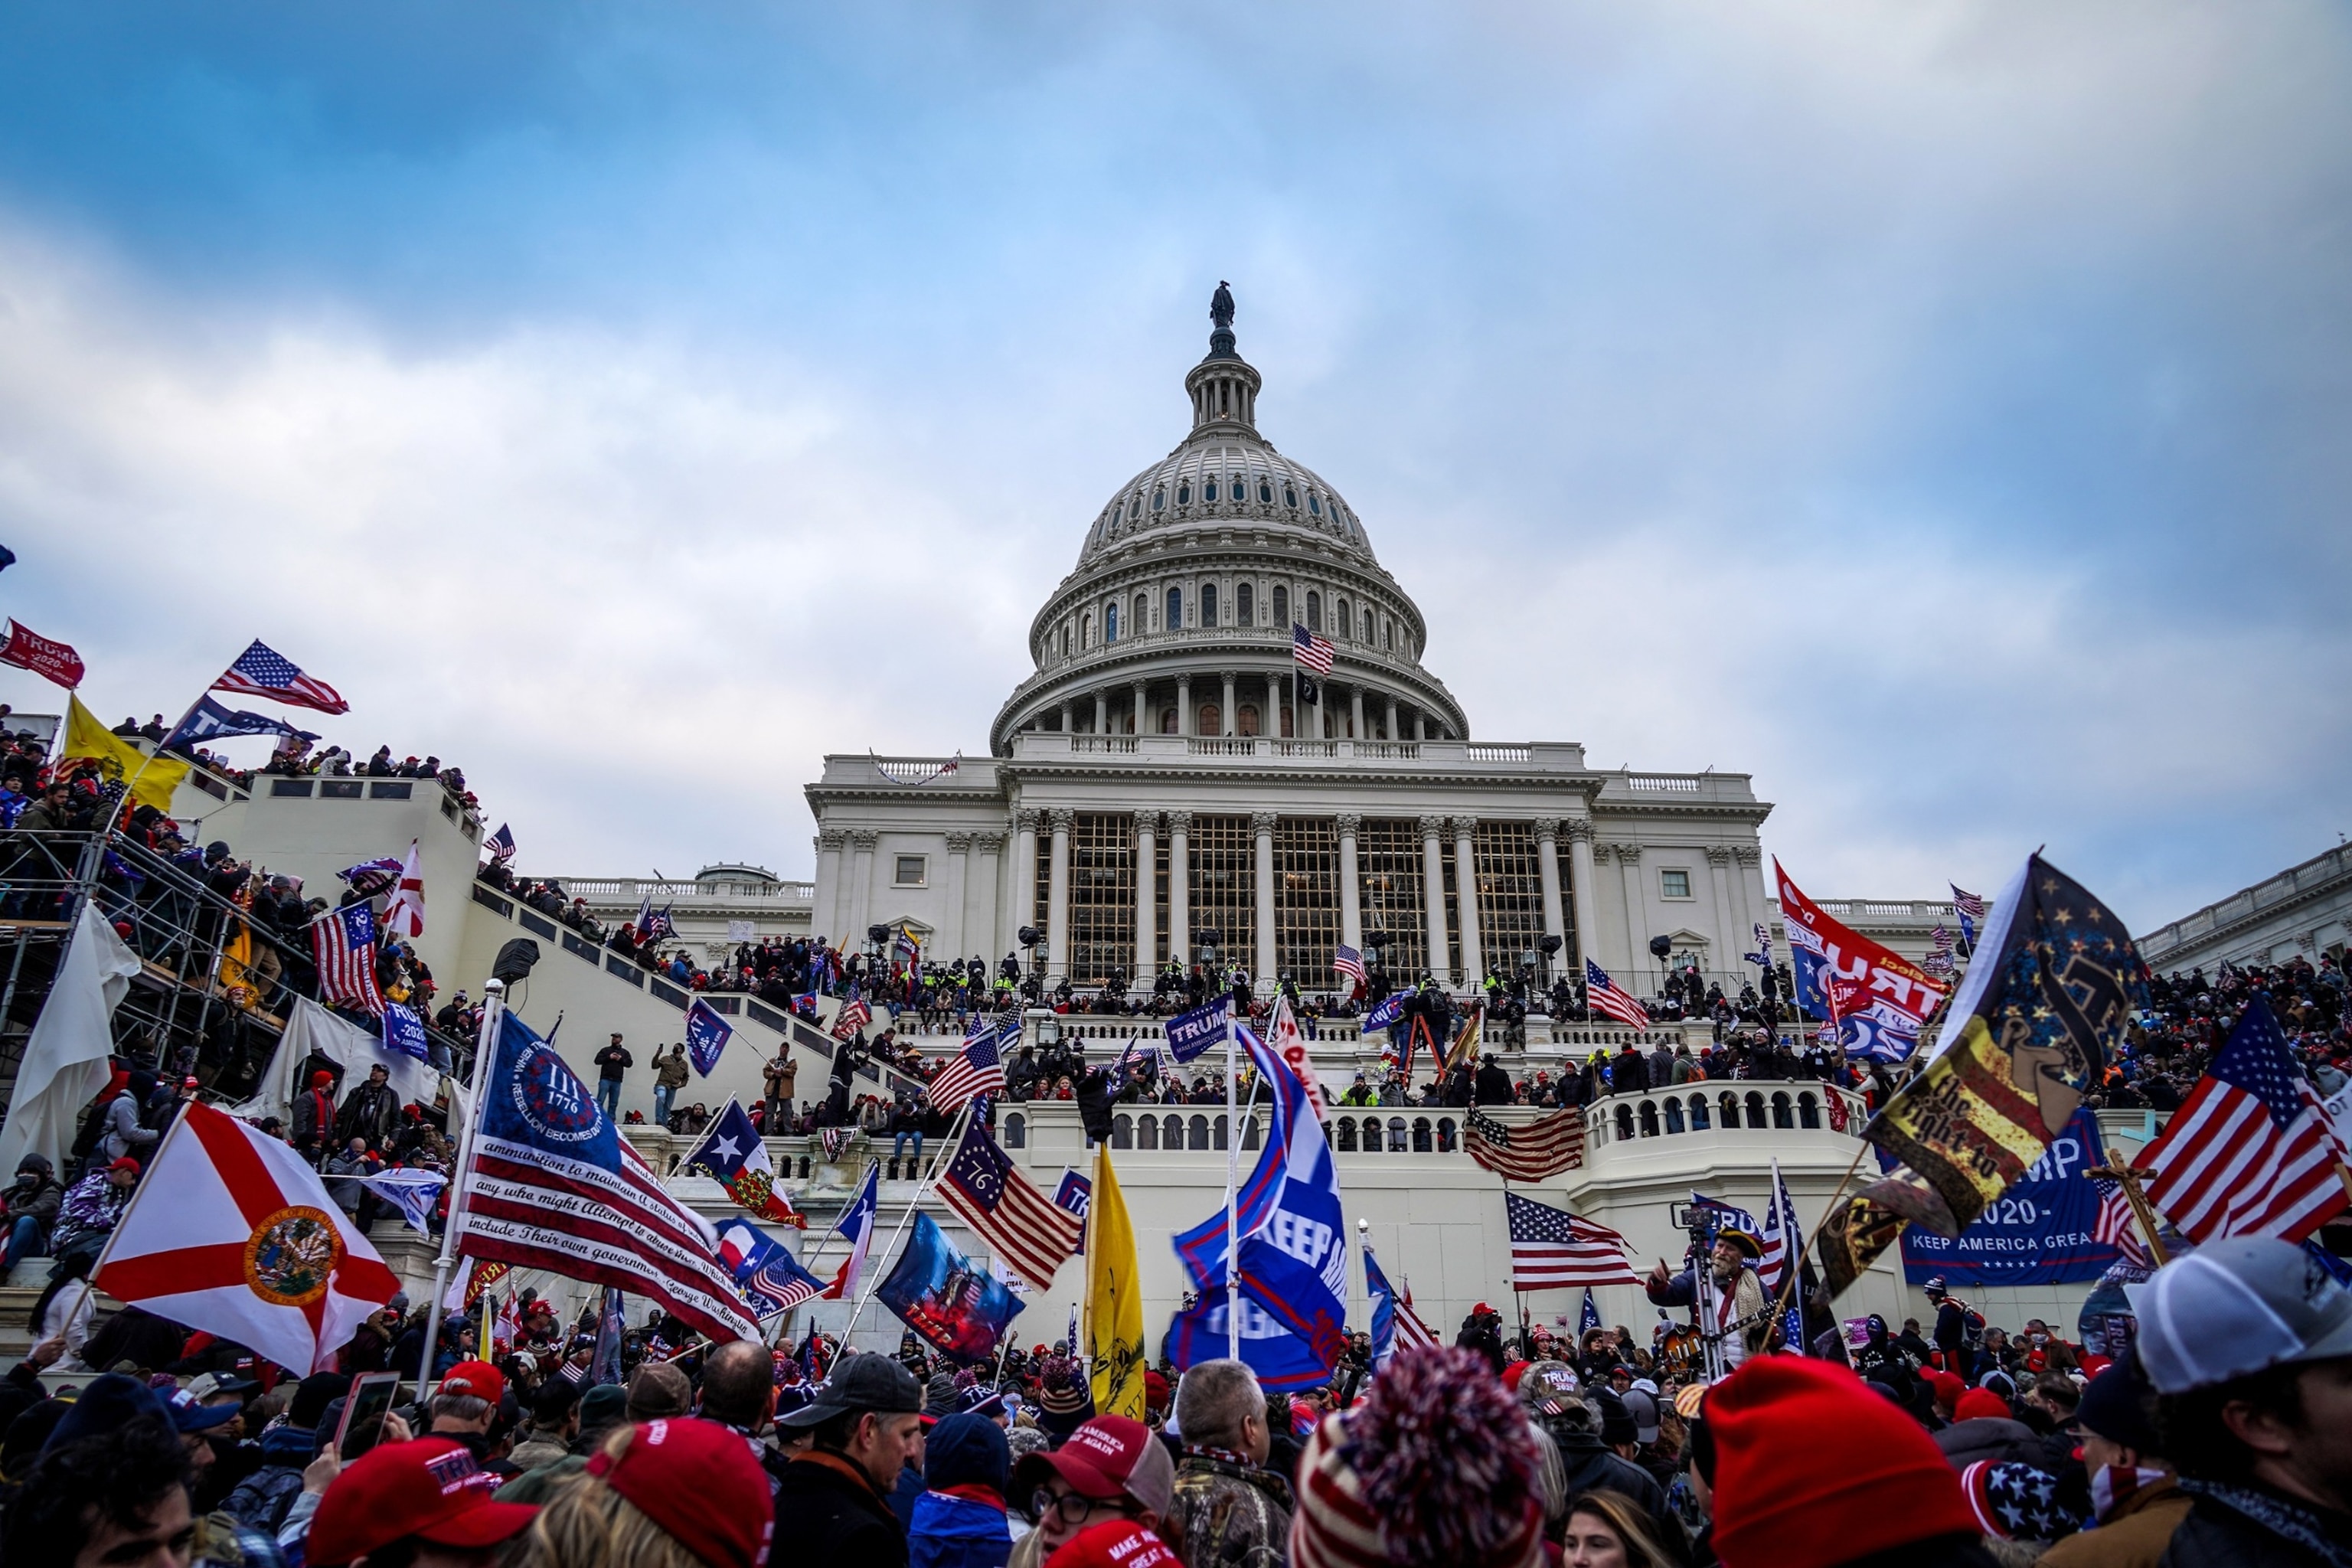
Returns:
<point x="1155" y="779"/>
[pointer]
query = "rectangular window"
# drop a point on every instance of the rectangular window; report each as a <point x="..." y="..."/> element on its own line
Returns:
<point x="1306" y="900"/>
<point x="1223" y="876"/>
<point x="1102" y="897"/>
<point x="1673" y="882"/>
<point x="1510" y="894"/>
<point x="909" y="873"/>
<point x="1389" y="878"/>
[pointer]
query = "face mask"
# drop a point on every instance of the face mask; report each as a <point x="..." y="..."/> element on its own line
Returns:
<point x="2116" y="1483"/>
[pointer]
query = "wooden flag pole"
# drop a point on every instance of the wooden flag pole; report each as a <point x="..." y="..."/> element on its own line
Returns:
<point x="2124" y="1176"/>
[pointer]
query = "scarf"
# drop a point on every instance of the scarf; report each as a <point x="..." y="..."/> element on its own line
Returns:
<point x="2115" y="1484"/>
<point x="2287" y="1520"/>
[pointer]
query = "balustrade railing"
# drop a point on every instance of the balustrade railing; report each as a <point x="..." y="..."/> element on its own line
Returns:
<point x="1724" y="1106"/>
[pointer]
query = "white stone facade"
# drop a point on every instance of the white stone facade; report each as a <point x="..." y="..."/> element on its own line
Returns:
<point x="2305" y="911"/>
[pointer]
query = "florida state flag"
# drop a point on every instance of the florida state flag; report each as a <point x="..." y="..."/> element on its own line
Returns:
<point x="230" y="1232"/>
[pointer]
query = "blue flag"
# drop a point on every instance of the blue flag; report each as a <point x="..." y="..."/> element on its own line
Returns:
<point x="1283" y="1363"/>
<point x="1590" y="1318"/>
<point x="1387" y="1013"/>
<point x="770" y="1278"/>
<point x="209" y="721"/>
<point x="958" y="1310"/>
<point x="534" y="1099"/>
<point x="403" y="1031"/>
<point x="1190" y="1034"/>
<point x="707" y="1034"/>
<point x="1385" y="1310"/>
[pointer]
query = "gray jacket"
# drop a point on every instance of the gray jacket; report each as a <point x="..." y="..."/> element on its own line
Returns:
<point x="123" y="1133"/>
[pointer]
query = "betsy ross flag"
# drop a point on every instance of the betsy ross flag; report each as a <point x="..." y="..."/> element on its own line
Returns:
<point x="343" y="944"/>
<point x="554" y="1185"/>
<point x="1006" y="1209"/>
<point x="972" y="1071"/>
<point x="2251" y="1152"/>
<point x="1535" y="1153"/>
<point x="232" y="1233"/>
<point x="856" y="1224"/>
<point x="1347" y="960"/>
<point x="1552" y="1249"/>
<point x="1601" y="994"/>
<point x="262" y="671"/>
<point x="736" y="1158"/>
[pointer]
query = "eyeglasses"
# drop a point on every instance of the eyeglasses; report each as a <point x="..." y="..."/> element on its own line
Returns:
<point x="1071" y="1506"/>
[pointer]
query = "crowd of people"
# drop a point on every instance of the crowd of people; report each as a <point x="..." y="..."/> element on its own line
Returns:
<point x="2224" y="1438"/>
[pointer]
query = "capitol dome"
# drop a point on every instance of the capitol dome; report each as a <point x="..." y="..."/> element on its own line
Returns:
<point x="1177" y="619"/>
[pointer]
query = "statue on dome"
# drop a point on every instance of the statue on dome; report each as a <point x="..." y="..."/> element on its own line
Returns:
<point x="1220" y="307"/>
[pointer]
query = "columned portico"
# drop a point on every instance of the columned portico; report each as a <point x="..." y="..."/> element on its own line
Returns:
<point x="1637" y="914"/>
<point x="1351" y="893"/>
<point x="1057" y="896"/>
<point x="1184" y="725"/>
<point x="949" y="939"/>
<point x="1580" y="882"/>
<point x="1021" y="885"/>
<point x="1466" y="891"/>
<point x="1548" y="867"/>
<point x="862" y="841"/>
<point x="1147" y="903"/>
<point x="982" y="898"/>
<point x="1432" y="879"/>
<point x="1262" y="829"/>
<point x="1228" y="721"/>
<point x="1179" y="888"/>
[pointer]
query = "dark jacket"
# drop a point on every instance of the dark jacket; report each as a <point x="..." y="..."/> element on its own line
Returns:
<point x="261" y="1500"/>
<point x="833" y="1516"/>
<point x="1494" y="1086"/>
<point x="369" y="1112"/>
<point x="2250" y="1527"/>
<point x="1591" y="1466"/>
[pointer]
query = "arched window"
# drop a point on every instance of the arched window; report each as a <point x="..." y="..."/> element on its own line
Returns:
<point x="1421" y="1144"/>
<point x="1698" y="1112"/>
<point x="1314" y="503"/>
<point x="1242" y="604"/>
<point x="1111" y="621"/>
<point x="1246" y="720"/>
<point x="1264" y="493"/>
<point x="1347" y="1134"/>
<point x="1780" y="1115"/>
<point x="1730" y="1107"/>
<point x="1625" y="1123"/>
<point x="1445" y="1135"/>
<point x="1249" y="1130"/>
<point x="1184" y="494"/>
<point x="1673" y="1116"/>
<point x="1208" y="603"/>
<point x="1168" y="718"/>
<point x="1210" y="490"/>
<point x="1066" y="641"/>
<point x="1159" y="500"/>
<point x="1175" y="608"/>
<point x="1281" y="606"/>
<point x="1087" y="631"/>
<point x="1016" y="1133"/>
<point x="1198" y="1132"/>
<point x="1649" y="1119"/>
<point x="1314" y="611"/>
<point x="1211" y="719"/>
<point x="1135" y="504"/>
<point x="1171" y="1133"/>
<point x="1368" y="628"/>
<point x="1122" y="1132"/>
<point x="1147" y="1133"/>
<point x="1756" y="1111"/>
<point x="1289" y="497"/>
<point x="1340" y="620"/>
<point x="1387" y="635"/>
<point x="1142" y="614"/>
<point x="1809" y="1112"/>
<point x="1217" y="1140"/>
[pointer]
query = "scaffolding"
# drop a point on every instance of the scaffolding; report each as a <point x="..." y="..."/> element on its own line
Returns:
<point x="214" y="986"/>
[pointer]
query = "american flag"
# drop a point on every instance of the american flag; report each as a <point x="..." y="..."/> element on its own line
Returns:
<point x="976" y="1069"/>
<point x="2251" y="1152"/>
<point x="1535" y="1153"/>
<point x="501" y="844"/>
<point x="852" y="1017"/>
<point x="1601" y="992"/>
<point x="1005" y="1208"/>
<point x="1307" y="649"/>
<point x="2118" y="1226"/>
<point x="262" y="671"/>
<point x="1552" y="1249"/>
<point x="1784" y="1237"/>
<point x="1347" y="960"/>
<point x="1970" y="908"/>
<point x="344" y="942"/>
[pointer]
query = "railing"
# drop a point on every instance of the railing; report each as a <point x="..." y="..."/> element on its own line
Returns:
<point x="1109" y="745"/>
<point x="2290" y="885"/>
<point x="632" y="889"/>
<point x="1201" y="747"/>
<point x="1485" y="754"/>
<point x="1724" y="1106"/>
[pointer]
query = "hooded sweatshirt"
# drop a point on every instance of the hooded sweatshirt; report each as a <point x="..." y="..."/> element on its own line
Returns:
<point x="960" y="1521"/>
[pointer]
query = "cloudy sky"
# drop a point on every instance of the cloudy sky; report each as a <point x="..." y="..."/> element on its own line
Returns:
<point x="1941" y="411"/>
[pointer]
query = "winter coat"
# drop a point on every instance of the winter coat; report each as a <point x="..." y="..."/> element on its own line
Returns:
<point x="2133" y="1536"/>
<point x="41" y="1202"/>
<point x="1590" y="1464"/>
<point x="833" y="1516"/>
<point x="369" y="1112"/>
<point x="262" y="1500"/>
<point x="2250" y="1526"/>
<point x="949" y="1530"/>
<point x="669" y="1071"/>
<point x="1232" y="1515"/>
<point x="124" y="1135"/>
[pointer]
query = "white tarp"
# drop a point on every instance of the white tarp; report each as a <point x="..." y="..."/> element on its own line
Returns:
<point x="311" y="1027"/>
<point x="65" y="1058"/>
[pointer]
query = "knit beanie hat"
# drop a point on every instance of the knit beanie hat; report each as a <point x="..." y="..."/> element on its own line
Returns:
<point x="1436" y="1465"/>
<point x="1813" y="1468"/>
<point x="1977" y="1404"/>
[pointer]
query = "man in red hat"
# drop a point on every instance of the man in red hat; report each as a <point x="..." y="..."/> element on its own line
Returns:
<point x="423" y="1502"/>
<point x="1111" y="1473"/>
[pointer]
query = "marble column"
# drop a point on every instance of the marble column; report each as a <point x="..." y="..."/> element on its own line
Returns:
<point x="951" y="937"/>
<point x="1142" y="712"/>
<point x="1465" y="893"/>
<point x="861" y="881"/>
<point x="1057" y="897"/>
<point x="833" y="883"/>
<point x="1751" y="872"/>
<point x="1390" y="732"/>
<point x="1433" y="881"/>
<point x="1261" y="826"/>
<point x="1228" y="721"/>
<point x="1102" y="713"/>
<point x="1548" y="864"/>
<point x="1421" y="726"/>
<point x="1147" y="932"/>
<point x="1321" y="691"/>
<point x="1020" y="886"/>
<point x="1179" y="888"/>
<point x="1726" y="948"/>
<point x="1184" y="724"/>
<point x="1356" y="713"/>
<point x="1069" y="717"/>
<point x="1352" y="894"/>
<point x="1580" y="887"/>
<point x="1639" y="965"/>
<point x="984" y="896"/>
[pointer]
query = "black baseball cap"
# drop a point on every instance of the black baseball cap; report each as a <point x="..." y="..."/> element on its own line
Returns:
<point x="860" y="1382"/>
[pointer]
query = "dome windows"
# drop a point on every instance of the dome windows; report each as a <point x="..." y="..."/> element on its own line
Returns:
<point x="1281" y="606"/>
<point x="1211" y="492"/>
<point x="1135" y="505"/>
<point x="1339" y="621"/>
<point x="1159" y="500"/>
<point x="1314" y="503"/>
<point x="1314" y="611"/>
<point x="1111" y="621"/>
<point x="1290" y="497"/>
<point x="1264" y="493"/>
<point x="1175" y="608"/>
<point x="1142" y="614"/>
<point x="1242" y="606"/>
<point x="1208" y="603"/>
<point x="1184" y="494"/>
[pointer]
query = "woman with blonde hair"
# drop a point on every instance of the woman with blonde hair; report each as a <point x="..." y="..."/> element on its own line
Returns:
<point x="1605" y="1529"/>
<point x="676" y="1493"/>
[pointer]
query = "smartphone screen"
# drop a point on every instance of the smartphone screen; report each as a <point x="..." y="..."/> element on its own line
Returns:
<point x="364" y="1412"/>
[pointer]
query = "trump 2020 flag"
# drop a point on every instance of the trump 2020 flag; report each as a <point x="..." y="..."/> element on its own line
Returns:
<point x="707" y="1034"/>
<point x="958" y="1309"/>
<point x="232" y="1233"/>
<point x="403" y="1031"/>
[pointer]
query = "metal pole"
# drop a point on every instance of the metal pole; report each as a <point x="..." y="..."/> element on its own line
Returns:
<point x="954" y="1137"/>
<point x="1232" y="1181"/>
<point x="494" y="1006"/>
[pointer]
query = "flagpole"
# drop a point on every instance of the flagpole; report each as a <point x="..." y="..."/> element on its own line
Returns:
<point x="953" y="1138"/>
<point x="1233" y="1182"/>
<point x="494" y="1008"/>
